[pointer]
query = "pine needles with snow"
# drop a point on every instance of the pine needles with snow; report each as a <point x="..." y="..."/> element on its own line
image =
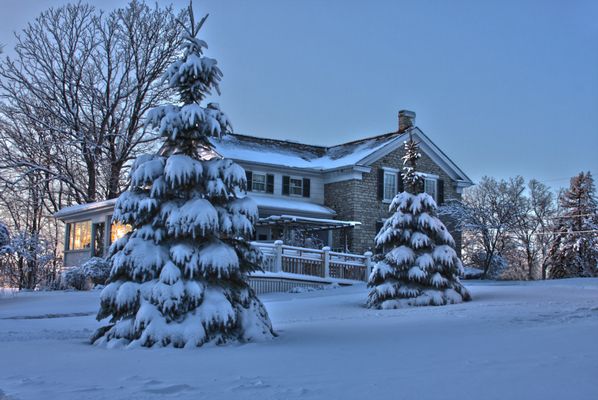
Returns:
<point x="419" y="265"/>
<point x="574" y="250"/>
<point x="179" y="278"/>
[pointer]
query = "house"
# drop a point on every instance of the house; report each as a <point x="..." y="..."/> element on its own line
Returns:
<point x="307" y="195"/>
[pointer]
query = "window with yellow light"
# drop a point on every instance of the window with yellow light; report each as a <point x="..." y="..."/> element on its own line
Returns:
<point x="118" y="230"/>
<point x="80" y="235"/>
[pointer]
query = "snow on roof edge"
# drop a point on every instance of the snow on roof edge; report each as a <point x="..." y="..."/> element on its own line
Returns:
<point x="82" y="208"/>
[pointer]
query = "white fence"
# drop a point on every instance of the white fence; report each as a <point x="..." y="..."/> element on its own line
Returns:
<point x="324" y="263"/>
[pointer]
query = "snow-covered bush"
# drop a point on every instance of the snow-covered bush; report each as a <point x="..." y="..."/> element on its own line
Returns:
<point x="97" y="270"/>
<point x="179" y="278"/>
<point x="27" y="262"/>
<point x="94" y="271"/>
<point x="75" y="278"/>
<point x="500" y="267"/>
<point x="472" y="273"/>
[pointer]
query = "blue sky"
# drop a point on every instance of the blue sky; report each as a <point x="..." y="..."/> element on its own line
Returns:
<point x="503" y="87"/>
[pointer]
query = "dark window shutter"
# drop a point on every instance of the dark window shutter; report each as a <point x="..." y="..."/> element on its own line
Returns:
<point x="306" y="187"/>
<point x="378" y="249"/>
<point x="269" y="183"/>
<point x="400" y="186"/>
<point x="286" y="181"/>
<point x="440" y="194"/>
<point x="249" y="176"/>
<point x="380" y="184"/>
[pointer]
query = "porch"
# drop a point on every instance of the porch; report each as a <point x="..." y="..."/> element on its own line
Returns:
<point x="303" y="258"/>
<point x="290" y="266"/>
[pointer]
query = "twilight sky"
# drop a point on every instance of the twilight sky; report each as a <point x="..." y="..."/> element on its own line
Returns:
<point x="503" y="87"/>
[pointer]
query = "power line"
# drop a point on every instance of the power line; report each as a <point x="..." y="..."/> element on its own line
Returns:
<point x="567" y="232"/>
<point x="571" y="216"/>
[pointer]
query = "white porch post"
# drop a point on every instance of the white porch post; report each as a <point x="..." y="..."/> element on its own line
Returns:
<point x="368" y="264"/>
<point x="326" y="257"/>
<point x="278" y="256"/>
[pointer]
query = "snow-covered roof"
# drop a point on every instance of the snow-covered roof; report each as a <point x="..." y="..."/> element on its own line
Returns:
<point x="291" y="206"/>
<point x="80" y="209"/>
<point x="264" y="202"/>
<point x="297" y="155"/>
<point x="296" y="218"/>
<point x="319" y="158"/>
<point x="307" y="223"/>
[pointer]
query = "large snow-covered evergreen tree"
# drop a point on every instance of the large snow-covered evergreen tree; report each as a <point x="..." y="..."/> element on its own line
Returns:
<point x="574" y="251"/>
<point x="179" y="278"/>
<point x="419" y="265"/>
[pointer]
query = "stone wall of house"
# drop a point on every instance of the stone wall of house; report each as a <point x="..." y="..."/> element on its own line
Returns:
<point x="357" y="200"/>
<point x="340" y="196"/>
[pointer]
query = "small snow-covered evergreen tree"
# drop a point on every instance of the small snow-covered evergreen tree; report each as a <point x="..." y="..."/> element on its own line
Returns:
<point x="574" y="251"/>
<point x="179" y="278"/>
<point x="419" y="265"/>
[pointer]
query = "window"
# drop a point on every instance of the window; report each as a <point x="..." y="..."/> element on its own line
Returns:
<point x="430" y="187"/>
<point x="80" y="235"/>
<point x="390" y="185"/>
<point x="296" y="187"/>
<point x="118" y="230"/>
<point x="258" y="182"/>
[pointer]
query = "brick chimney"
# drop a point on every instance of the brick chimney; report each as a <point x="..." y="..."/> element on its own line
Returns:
<point x="406" y="120"/>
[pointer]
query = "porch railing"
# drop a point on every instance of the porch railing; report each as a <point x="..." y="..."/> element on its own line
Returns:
<point x="324" y="263"/>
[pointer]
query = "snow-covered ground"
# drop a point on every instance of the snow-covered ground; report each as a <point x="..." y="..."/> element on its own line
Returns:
<point x="513" y="341"/>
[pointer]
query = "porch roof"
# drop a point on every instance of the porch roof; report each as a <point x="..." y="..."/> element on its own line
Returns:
<point x="283" y="205"/>
<point x="306" y="223"/>
<point x="80" y="210"/>
<point x="275" y="205"/>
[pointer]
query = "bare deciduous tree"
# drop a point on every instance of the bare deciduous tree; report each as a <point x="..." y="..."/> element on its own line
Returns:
<point x="488" y="212"/>
<point x="84" y="80"/>
<point x="72" y="103"/>
<point x="532" y="226"/>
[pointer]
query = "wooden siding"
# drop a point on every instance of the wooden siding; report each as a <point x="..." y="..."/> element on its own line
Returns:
<point x="316" y="182"/>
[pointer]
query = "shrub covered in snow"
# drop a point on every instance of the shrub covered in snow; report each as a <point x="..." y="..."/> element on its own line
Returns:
<point x="75" y="278"/>
<point x="472" y="273"/>
<point x="419" y="266"/>
<point x="179" y="278"/>
<point x="97" y="270"/>
<point x="94" y="271"/>
<point x="499" y="268"/>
